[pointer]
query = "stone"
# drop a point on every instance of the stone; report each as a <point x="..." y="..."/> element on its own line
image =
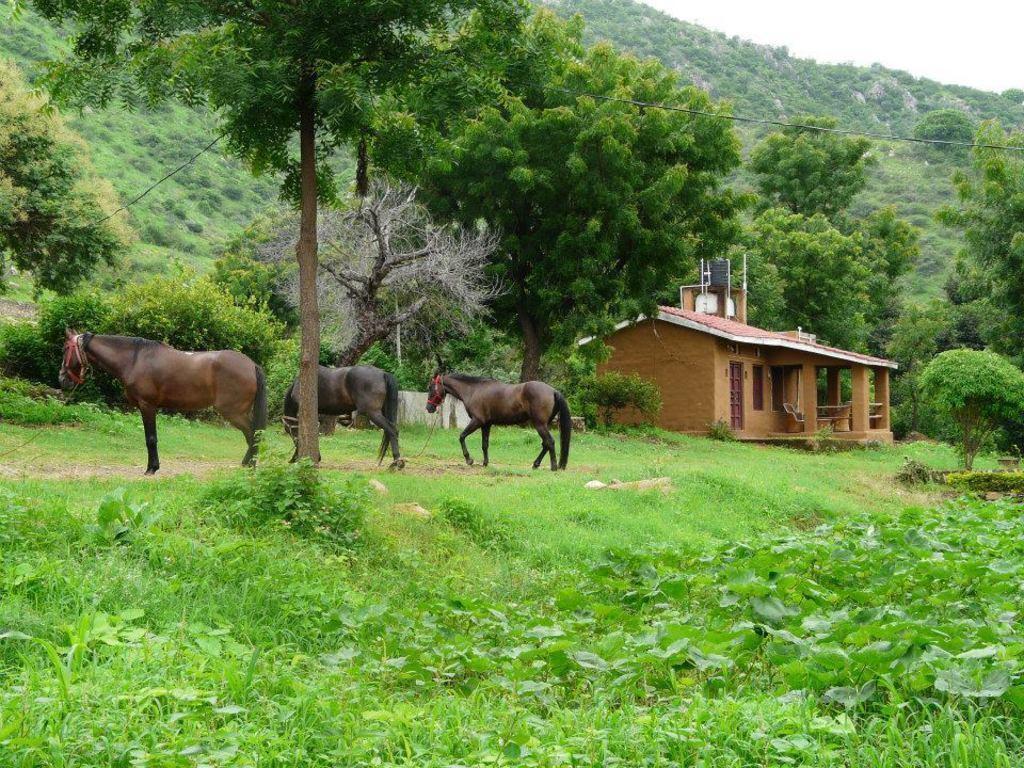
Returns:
<point x="595" y="485"/>
<point x="378" y="486"/>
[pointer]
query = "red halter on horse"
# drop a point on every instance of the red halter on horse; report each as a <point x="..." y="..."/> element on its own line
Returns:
<point x="75" y="352"/>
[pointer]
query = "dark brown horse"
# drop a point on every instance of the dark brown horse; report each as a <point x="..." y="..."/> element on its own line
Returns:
<point x="489" y="402"/>
<point x="156" y="376"/>
<point x="363" y="388"/>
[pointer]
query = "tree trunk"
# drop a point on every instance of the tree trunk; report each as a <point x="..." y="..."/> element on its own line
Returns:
<point x="531" y="344"/>
<point x="309" y="312"/>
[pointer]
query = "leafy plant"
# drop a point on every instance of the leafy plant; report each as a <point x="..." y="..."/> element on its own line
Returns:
<point x="988" y="482"/>
<point x="979" y="391"/>
<point x="119" y="517"/>
<point x="720" y="430"/>
<point x="292" y="495"/>
<point x="613" y="392"/>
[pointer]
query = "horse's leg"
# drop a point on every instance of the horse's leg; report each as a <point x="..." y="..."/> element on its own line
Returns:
<point x="549" y="445"/>
<point x="243" y="423"/>
<point x="485" y="440"/>
<point x="540" y="458"/>
<point x="472" y="427"/>
<point x="380" y="420"/>
<point x="149" y="426"/>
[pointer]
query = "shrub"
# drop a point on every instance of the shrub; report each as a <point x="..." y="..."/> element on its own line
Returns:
<point x="720" y="430"/>
<point x="987" y="482"/>
<point x="31" y="404"/>
<point x="914" y="472"/>
<point x="613" y="392"/>
<point x="25" y="355"/>
<point x="193" y="313"/>
<point x="255" y="284"/>
<point x="293" y="495"/>
<point x="979" y="391"/>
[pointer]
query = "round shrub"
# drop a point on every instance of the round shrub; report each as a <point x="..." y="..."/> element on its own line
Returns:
<point x="613" y="392"/>
<point x="253" y="283"/>
<point x="193" y="314"/>
<point x="979" y="391"/>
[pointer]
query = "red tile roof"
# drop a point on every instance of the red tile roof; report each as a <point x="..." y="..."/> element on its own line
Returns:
<point x="752" y="335"/>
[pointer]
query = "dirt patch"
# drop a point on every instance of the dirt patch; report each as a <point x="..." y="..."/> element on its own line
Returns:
<point x="17" y="310"/>
<point x="48" y="471"/>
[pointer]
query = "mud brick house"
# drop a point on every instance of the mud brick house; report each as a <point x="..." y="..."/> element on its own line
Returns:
<point x="712" y="367"/>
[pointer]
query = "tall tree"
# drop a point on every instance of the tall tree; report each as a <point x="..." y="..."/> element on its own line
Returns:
<point x="810" y="171"/>
<point x="598" y="202"/>
<point x="52" y="203"/>
<point x="273" y="72"/>
<point x="821" y="274"/>
<point x="991" y="213"/>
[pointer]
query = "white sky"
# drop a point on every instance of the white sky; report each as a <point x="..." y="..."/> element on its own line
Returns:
<point x="959" y="43"/>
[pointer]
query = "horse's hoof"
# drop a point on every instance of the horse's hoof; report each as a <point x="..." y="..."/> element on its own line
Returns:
<point x="469" y="462"/>
<point x="150" y="472"/>
<point x="397" y="464"/>
<point x="535" y="466"/>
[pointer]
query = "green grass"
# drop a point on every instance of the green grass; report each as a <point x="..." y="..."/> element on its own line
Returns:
<point x="496" y="630"/>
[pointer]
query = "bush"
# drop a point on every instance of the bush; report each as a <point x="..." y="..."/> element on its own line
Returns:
<point x="720" y="430"/>
<point x="915" y="472"/>
<point x="987" y="482"/>
<point x="34" y="405"/>
<point x="24" y="354"/>
<point x="255" y="284"/>
<point x="193" y="314"/>
<point x="293" y="495"/>
<point x="978" y="391"/>
<point x="613" y="392"/>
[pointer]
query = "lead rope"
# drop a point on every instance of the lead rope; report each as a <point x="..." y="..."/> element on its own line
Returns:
<point x="430" y="434"/>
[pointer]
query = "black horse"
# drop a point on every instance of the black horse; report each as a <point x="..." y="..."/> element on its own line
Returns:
<point x="363" y="388"/>
<point x="489" y="401"/>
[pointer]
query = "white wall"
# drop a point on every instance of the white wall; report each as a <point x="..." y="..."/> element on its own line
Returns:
<point x="412" y="409"/>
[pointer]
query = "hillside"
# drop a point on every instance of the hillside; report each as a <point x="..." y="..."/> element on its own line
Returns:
<point x="188" y="216"/>
<point x="765" y="81"/>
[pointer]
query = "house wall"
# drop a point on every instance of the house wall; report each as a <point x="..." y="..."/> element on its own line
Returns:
<point x="692" y="371"/>
<point x="679" y="360"/>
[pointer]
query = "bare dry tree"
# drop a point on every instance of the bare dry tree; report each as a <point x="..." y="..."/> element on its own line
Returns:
<point x="386" y="264"/>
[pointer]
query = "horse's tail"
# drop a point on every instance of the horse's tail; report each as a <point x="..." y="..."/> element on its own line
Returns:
<point x="564" y="427"/>
<point x="259" y="403"/>
<point x="390" y="411"/>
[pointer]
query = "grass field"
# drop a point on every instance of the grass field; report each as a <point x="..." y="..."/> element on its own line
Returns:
<point x="488" y="615"/>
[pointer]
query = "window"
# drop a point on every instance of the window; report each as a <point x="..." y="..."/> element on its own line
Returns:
<point x="758" y="387"/>
<point x="778" y="387"/>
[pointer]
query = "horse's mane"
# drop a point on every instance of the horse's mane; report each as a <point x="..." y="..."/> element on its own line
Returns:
<point x="467" y="379"/>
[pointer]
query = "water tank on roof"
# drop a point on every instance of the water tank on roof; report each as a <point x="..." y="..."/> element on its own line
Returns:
<point x="720" y="269"/>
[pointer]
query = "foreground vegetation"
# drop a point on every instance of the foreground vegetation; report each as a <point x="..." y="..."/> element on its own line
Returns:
<point x="771" y="607"/>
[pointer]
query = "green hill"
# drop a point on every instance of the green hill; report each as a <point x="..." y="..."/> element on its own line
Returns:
<point x="192" y="213"/>
<point x="767" y="82"/>
<point x="185" y="217"/>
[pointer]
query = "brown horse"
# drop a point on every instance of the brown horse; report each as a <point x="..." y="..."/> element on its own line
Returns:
<point x="363" y="388"/>
<point x="491" y="402"/>
<point x="156" y="376"/>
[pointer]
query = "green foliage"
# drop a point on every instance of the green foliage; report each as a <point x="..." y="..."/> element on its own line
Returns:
<point x="50" y="197"/>
<point x="613" y="392"/>
<point x="947" y="125"/>
<point x="721" y="431"/>
<point x="192" y="313"/>
<point x="821" y="276"/>
<point x="620" y="198"/>
<point x="293" y="496"/>
<point x="915" y="341"/>
<point x="25" y="354"/>
<point x="120" y="517"/>
<point x="255" y="283"/>
<point x="470" y="520"/>
<point x="977" y="390"/>
<point x="809" y="171"/>
<point x="32" y="405"/>
<point x="991" y="213"/>
<point x="987" y="482"/>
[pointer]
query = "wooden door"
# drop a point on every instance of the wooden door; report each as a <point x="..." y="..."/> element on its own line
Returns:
<point x="736" y="395"/>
